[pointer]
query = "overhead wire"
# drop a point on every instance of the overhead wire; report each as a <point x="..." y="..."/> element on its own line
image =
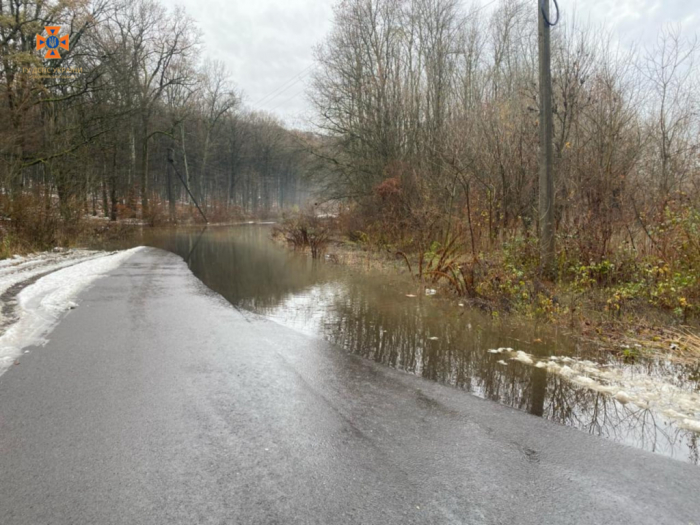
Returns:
<point x="544" y="15"/>
<point x="284" y="86"/>
<point x="288" y="100"/>
<point x="300" y="79"/>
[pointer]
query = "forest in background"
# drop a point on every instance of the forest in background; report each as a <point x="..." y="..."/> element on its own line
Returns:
<point x="424" y="136"/>
<point x="90" y="134"/>
<point x="431" y="111"/>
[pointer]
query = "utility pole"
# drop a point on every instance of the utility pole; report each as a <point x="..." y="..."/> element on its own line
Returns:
<point x="546" y="201"/>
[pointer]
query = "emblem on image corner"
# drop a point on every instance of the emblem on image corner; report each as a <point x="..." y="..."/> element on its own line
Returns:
<point x="52" y="42"/>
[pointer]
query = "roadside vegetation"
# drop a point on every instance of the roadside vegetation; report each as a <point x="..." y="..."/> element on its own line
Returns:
<point x="431" y="117"/>
<point x="304" y="231"/>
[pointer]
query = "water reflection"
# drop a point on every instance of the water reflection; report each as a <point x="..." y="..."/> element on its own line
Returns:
<point x="369" y="315"/>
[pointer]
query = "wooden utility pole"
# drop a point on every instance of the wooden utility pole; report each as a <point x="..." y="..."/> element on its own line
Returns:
<point x="546" y="203"/>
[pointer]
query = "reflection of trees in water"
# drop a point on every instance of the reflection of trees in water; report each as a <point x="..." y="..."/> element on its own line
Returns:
<point x="400" y="337"/>
<point x="370" y="319"/>
<point x="242" y="264"/>
<point x="601" y="415"/>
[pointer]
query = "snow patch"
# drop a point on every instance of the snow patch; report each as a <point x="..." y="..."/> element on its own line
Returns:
<point x="40" y="305"/>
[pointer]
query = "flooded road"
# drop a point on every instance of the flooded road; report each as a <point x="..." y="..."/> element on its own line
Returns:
<point x="370" y="315"/>
<point x="154" y="400"/>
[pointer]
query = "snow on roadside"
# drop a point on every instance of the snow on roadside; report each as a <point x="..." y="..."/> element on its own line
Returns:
<point x="20" y="269"/>
<point x="42" y="303"/>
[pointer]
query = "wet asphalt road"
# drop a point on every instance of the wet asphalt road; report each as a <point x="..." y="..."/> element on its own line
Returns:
<point x="156" y="402"/>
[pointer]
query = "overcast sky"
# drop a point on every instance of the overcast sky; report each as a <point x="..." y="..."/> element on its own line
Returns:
<point x="267" y="44"/>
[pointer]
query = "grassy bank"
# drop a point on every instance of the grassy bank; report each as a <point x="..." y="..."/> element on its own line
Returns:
<point x="43" y="235"/>
<point x="631" y="302"/>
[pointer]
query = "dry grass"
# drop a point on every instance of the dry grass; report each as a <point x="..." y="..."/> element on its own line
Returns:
<point x="676" y="344"/>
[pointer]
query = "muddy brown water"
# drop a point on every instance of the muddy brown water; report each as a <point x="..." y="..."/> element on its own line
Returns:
<point x="369" y="314"/>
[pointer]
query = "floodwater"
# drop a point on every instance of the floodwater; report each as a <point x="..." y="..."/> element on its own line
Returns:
<point x="369" y="314"/>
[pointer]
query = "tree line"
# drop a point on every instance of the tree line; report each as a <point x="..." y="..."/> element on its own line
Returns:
<point x="93" y="131"/>
<point x="431" y="110"/>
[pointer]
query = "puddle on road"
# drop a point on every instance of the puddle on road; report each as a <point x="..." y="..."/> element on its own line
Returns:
<point x="370" y="315"/>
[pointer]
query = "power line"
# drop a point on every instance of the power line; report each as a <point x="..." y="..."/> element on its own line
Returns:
<point x="288" y="100"/>
<point x="482" y="7"/>
<point x="546" y="15"/>
<point x="284" y="90"/>
<point x="275" y="91"/>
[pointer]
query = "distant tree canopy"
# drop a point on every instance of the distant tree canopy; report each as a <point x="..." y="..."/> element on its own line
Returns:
<point x="432" y="107"/>
<point x="93" y="132"/>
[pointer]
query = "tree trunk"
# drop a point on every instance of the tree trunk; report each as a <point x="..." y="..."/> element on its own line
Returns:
<point x="205" y="153"/>
<point x="184" y="156"/>
<point x="144" y="173"/>
<point x="171" y="197"/>
<point x="113" y="189"/>
<point x="105" y="206"/>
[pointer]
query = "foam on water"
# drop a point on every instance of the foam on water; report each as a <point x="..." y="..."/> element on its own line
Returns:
<point x="681" y="407"/>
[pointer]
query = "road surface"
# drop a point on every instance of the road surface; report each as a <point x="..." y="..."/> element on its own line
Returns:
<point x="156" y="402"/>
